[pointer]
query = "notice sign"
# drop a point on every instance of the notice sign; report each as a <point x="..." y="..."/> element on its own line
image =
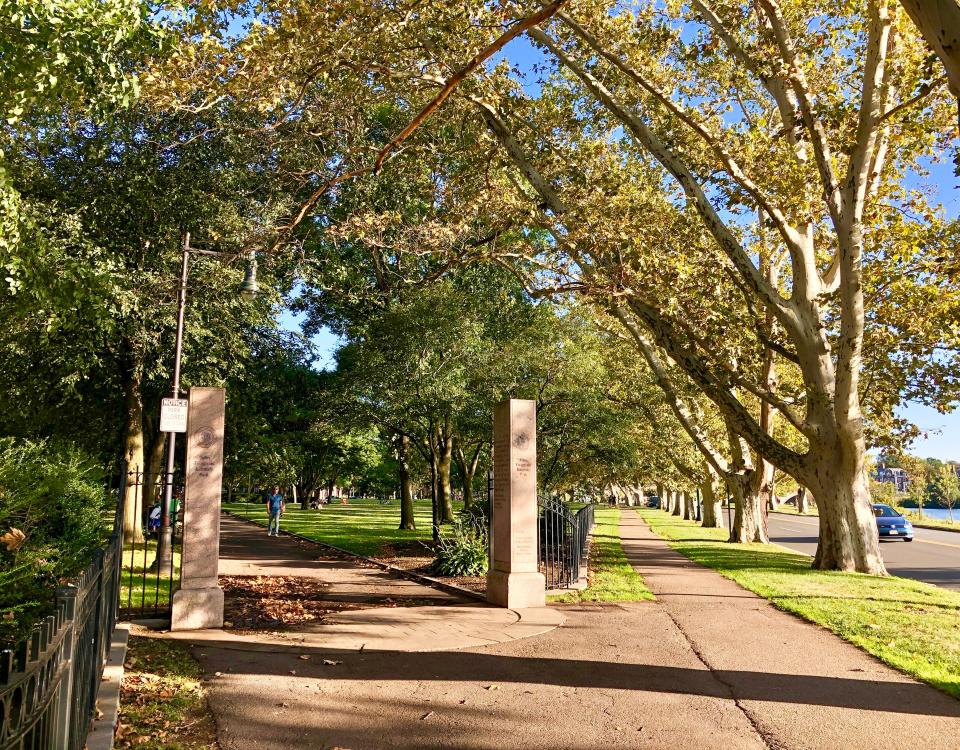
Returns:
<point x="173" y="415"/>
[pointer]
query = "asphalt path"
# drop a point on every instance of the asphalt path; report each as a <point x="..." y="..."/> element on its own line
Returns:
<point x="933" y="556"/>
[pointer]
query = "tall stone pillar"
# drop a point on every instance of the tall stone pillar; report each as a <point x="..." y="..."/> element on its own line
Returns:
<point x="513" y="580"/>
<point x="198" y="603"/>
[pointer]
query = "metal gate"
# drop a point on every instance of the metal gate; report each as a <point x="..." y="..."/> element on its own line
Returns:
<point x="147" y="583"/>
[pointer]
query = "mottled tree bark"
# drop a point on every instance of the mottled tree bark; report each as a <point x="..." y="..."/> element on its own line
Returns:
<point x="712" y="508"/>
<point x="689" y="505"/>
<point x="679" y="503"/>
<point x="407" y="518"/>
<point x="133" y="455"/>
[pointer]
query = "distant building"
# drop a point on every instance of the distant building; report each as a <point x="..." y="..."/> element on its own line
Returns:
<point x="897" y="477"/>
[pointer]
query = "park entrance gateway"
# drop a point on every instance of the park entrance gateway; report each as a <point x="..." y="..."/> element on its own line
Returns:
<point x="199" y="601"/>
<point x="514" y="580"/>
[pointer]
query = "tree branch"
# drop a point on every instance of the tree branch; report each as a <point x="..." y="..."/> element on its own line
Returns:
<point x="789" y="234"/>
<point x="678" y="169"/>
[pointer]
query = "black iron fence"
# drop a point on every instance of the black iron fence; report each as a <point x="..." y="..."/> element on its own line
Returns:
<point x="562" y="541"/>
<point x="149" y="579"/>
<point x="49" y="681"/>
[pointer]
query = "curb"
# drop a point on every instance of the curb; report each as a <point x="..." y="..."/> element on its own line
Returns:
<point x="449" y="588"/>
<point x="108" y="695"/>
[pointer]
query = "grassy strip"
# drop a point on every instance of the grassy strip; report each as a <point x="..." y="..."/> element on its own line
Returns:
<point x="163" y="706"/>
<point x="791" y="510"/>
<point x="612" y="578"/>
<point x="363" y="526"/>
<point x="912" y="626"/>
<point x="925" y="522"/>
<point x="139" y="585"/>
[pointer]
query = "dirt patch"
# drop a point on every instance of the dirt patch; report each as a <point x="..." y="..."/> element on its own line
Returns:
<point x="473" y="583"/>
<point x="272" y="601"/>
<point x="162" y="700"/>
<point x="278" y="602"/>
<point x="409" y="555"/>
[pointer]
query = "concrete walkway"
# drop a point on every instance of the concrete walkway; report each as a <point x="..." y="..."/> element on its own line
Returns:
<point x="707" y="666"/>
<point x="798" y="684"/>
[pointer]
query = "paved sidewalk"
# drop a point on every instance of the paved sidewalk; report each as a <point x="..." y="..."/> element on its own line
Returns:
<point x="800" y="685"/>
<point x="707" y="666"/>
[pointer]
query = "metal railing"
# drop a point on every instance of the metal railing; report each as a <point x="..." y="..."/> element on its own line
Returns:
<point x="562" y="542"/>
<point x="49" y="680"/>
<point x="147" y="585"/>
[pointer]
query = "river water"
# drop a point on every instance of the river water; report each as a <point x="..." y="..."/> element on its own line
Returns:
<point x="941" y="514"/>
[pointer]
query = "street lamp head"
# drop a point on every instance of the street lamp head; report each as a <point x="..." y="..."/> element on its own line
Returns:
<point x="249" y="287"/>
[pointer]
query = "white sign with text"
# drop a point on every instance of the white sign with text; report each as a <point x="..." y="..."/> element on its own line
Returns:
<point x="173" y="415"/>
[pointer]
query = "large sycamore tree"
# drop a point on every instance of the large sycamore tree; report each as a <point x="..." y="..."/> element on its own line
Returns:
<point x="797" y="111"/>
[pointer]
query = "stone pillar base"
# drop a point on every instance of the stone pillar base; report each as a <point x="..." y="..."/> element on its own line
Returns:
<point x="516" y="590"/>
<point x="195" y="609"/>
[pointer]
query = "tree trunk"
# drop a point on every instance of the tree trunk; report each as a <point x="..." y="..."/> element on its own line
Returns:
<point x="762" y="486"/>
<point x="679" y="503"/>
<point x="939" y="24"/>
<point x="444" y="486"/>
<point x="407" y="519"/>
<point x="803" y="500"/>
<point x="660" y="494"/>
<point x="750" y="517"/>
<point x="468" y="475"/>
<point x="712" y="508"/>
<point x="153" y="474"/>
<point x="690" y="506"/>
<point x="468" y="470"/>
<point x="848" y="529"/>
<point x="133" y="454"/>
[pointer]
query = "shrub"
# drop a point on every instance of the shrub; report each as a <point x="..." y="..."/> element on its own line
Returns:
<point x="53" y="514"/>
<point x="462" y="551"/>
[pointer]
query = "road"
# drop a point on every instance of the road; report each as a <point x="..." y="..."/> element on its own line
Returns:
<point x="933" y="556"/>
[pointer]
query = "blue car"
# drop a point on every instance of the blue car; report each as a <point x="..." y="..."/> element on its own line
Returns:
<point x="891" y="524"/>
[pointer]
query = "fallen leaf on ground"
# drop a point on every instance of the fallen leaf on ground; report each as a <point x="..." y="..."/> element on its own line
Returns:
<point x="331" y="662"/>
<point x="493" y="687"/>
<point x="305" y="657"/>
<point x="427" y="715"/>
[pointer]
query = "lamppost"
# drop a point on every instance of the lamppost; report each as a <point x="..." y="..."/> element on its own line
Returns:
<point x="248" y="290"/>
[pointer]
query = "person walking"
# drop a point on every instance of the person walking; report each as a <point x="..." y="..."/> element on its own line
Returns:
<point x="275" y="506"/>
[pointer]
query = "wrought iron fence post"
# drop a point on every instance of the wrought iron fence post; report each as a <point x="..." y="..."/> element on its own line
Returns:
<point x="66" y="599"/>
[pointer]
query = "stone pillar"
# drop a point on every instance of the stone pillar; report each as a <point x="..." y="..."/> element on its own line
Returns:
<point x="199" y="601"/>
<point x="513" y="580"/>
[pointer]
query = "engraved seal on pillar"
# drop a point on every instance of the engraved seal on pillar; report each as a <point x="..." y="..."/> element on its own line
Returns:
<point x="521" y="439"/>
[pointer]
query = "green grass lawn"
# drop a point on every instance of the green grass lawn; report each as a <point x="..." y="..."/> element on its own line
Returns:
<point x="139" y="586"/>
<point x="612" y="579"/>
<point x="163" y="705"/>
<point x="912" y="626"/>
<point x="362" y="527"/>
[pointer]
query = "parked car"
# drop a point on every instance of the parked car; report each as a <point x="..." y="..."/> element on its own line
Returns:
<point x="653" y="501"/>
<point x="891" y="524"/>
